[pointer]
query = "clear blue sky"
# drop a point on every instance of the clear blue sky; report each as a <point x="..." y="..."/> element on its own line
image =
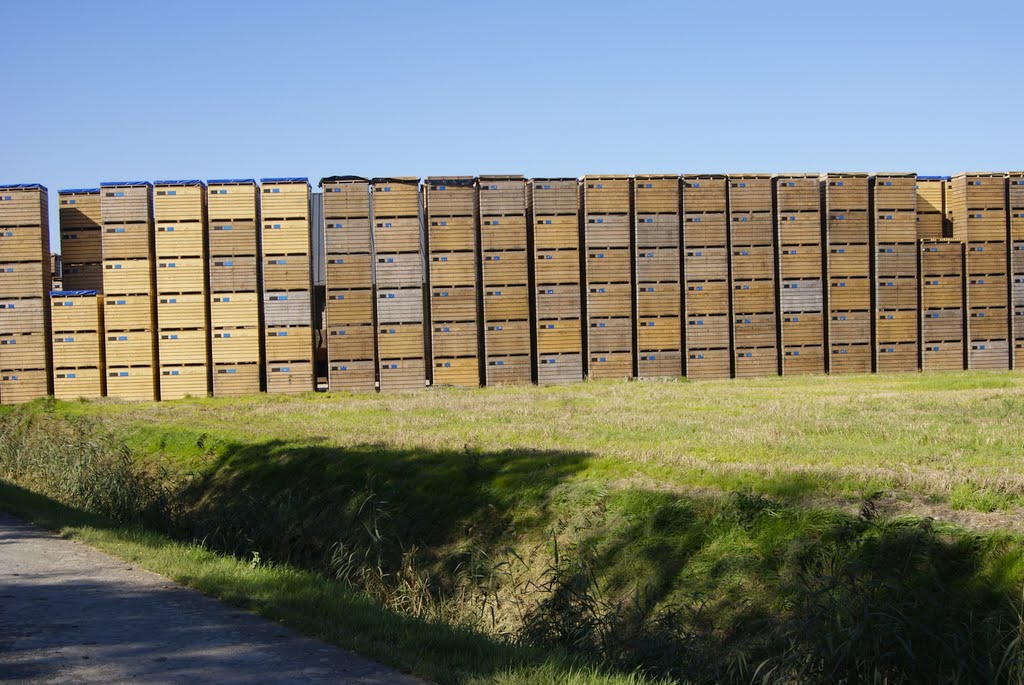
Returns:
<point x="96" y="91"/>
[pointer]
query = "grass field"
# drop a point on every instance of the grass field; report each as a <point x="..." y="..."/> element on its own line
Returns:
<point x="694" y="531"/>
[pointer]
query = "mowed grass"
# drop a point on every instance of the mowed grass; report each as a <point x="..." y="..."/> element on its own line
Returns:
<point x="948" y="438"/>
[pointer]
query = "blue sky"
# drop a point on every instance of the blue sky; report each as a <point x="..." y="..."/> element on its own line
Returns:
<point x="129" y="90"/>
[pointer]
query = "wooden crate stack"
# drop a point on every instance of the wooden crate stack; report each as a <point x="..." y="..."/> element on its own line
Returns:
<point x="129" y="290"/>
<point x="894" y="255"/>
<point x="707" y="328"/>
<point x="348" y="254"/>
<point x="608" y="282"/>
<point x="1015" y="196"/>
<point x="931" y="208"/>
<point x="801" y="277"/>
<point x="78" y="359"/>
<point x="287" y="284"/>
<point x="505" y="274"/>
<point x="978" y="207"/>
<point x="236" y="329"/>
<point x="848" y="272"/>
<point x="752" y="246"/>
<point x="941" y="269"/>
<point x="401" y="343"/>
<point x="450" y="204"/>
<point x="81" y="241"/>
<point x="182" y="287"/>
<point x="25" y="357"/>
<point x="555" y="260"/>
<point x="658" y="269"/>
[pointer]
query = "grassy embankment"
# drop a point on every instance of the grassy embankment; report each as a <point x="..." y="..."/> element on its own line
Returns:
<point x="696" y="531"/>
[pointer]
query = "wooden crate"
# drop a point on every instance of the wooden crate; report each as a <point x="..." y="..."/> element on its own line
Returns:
<point x="287" y="308"/>
<point x="397" y="234"/>
<point x="25" y="315"/>
<point x="181" y="239"/>
<point x="235" y="379"/>
<point x="507" y="370"/>
<point x="847" y="226"/>
<point x="849" y="260"/>
<point x="24" y="350"/>
<point x="750" y="193"/>
<point x="941" y="292"/>
<point x="987" y="324"/>
<point x="894" y="191"/>
<point x="659" y="333"/>
<point x="127" y="241"/>
<point x="657" y="265"/>
<point x="124" y="312"/>
<point x="453" y="303"/>
<point x="507" y="338"/>
<point x="755" y="362"/>
<point x="130" y="347"/>
<point x="452" y="268"/>
<point x="942" y="356"/>
<point x="1017" y="258"/>
<point x="459" y="371"/>
<point x="704" y="193"/>
<point x="76" y="310"/>
<point x="981" y="225"/>
<point x="849" y="294"/>
<point x="459" y="339"/>
<point x="942" y="324"/>
<point x="82" y="276"/>
<point x="706" y="330"/>
<point x="557" y="266"/>
<point x="179" y="201"/>
<point x="930" y="226"/>
<point x="400" y="341"/>
<point x="78" y="245"/>
<point x="126" y="202"/>
<point x="502" y="195"/>
<point x="75" y="382"/>
<point x="79" y="209"/>
<point x="707" y="297"/>
<point x="23" y="385"/>
<point x="181" y="310"/>
<point x="556" y="232"/>
<point x="708" y="364"/>
<point x="606" y="230"/>
<point x="798" y="329"/>
<point x="751" y="228"/>
<point x="657" y="231"/>
<point x="559" y="336"/>
<point x="988" y="354"/>
<point x="754" y="330"/>
<point x="896" y="292"/>
<point x="659" y="364"/>
<point x="287" y="272"/>
<point x="753" y="295"/>
<point x="24" y="204"/>
<point x="799" y="227"/>
<point x="896" y="325"/>
<point x="802" y="360"/>
<point x="797" y="193"/>
<point x="656" y="194"/>
<point x="705" y="264"/>
<point x="610" y="366"/>
<point x="610" y="334"/>
<point x="396" y="197"/>
<point x="801" y="295"/>
<point x="351" y="341"/>
<point x="503" y="233"/>
<point x="284" y="198"/>
<point x="128" y="276"/>
<point x="606" y="194"/>
<point x="396" y="305"/>
<point x="290" y="378"/>
<point x="554" y="196"/>
<point x="233" y="273"/>
<point x="451" y="234"/>
<point x="235" y="309"/>
<point x="931" y="193"/>
<point x="135" y="382"/>
<point x="505" y="267"/>
<point x="941" y="258"/>
<point x="608" y="265"/>
<point x="850" y="326"/>
<point x="235" y="345"/>
<point x="987" y="258"/>
<point x="357" y="375"/>
<point x="844" y="191"/>
<point x="1017" y="224"/>
<point x="348" y="271"/>
<point x="402" y="374"/>
<point x="232" y="199"/>
<point x="450" y="196"/>
<point x="657" y="299"/>
<point x="503" y="303"/>
<point x="895" y="226"/>
<point x="73" y="348"/>
<point x="181" y="275"/>
<point x="849" y="358"/>
<point x="25" y="279"/>
<point x="800" y="261"/>
<point x="554" y="301"/>
<point x="183" y="380"/>
<point x="288" y="343"/>
<point x="609" y="300"/>
<point x="184" y="346"/>
<point x="346" y="197"/>
<point x="286" y="236"/>
<point x="399" y="270"/>
<point x="705" y="229"/>
<point x="559" y="369"/>
<point x="347" y="236"/>
<point x="26" y="244"/>
<point x="753" y="262"/>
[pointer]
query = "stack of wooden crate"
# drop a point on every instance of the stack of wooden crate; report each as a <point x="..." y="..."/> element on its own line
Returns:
<point x="657" y="264"/>
<point x="848" y="272"/>
<point x="451" y="211"/>
<point x="941" y="269"/>
<point x="287" y="284"/>
<point x="183" y="308"/>
<point x="78" y="360"/>
<point x="233" y="230"/>
<point x="555" y="259"/>
<point x="978" y="207"/>
<point x="931" y="208"/>
<point x="401" y="343"/>
<point x="505" y="275"/>
<point x="705" y="238"/>
<point x="608" y="278"/>
<point x="81" y="242"/>
<point x="1015" y="196"/>
<point x="801" y="297"/>
<point x="129" y="290"/>
<point x="348" y="256"/>
<point x="25" y="355"/>
<point x="752" y="246"/>
<point x="895" y="293"/>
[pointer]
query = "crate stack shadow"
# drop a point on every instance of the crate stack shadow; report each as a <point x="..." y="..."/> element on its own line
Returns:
<point x="450" y="205"/>
<point x="978" y="206"/>
<point x="931" y="208"/>
<point x="707" y="329"/>
<point x="287" y="284"/>
<point x="752" y="269"/>
<point x="1015" y="198"/>
<point x="800" y="276"/>
<point x="348" y="256"/>
<point x="848" y="272"/>
<point x="129" y="290"/>
<point x="236" y="324"/>
<point x="505" y="280"/>
<point x="25" y="350"/>
<point x="398" y="260"/>
<point x="658" y="272"/>
<point x="608" y="283"/>
<point x="555" y="259"/>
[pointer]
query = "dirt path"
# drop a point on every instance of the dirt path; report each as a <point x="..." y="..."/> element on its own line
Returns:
<point x="71" y="614"/>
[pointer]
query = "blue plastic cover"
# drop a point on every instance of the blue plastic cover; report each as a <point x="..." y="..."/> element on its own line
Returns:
<point x="187" y="182"/>
<point x="934" y="178"/>
<point x="231" y="180"/>
<point x="122" y="184"/>
<point x="73" y="293"/>
<point x="79" y="190"/>
<point x="22" y="185"/>
<point x="285" y="179"/>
